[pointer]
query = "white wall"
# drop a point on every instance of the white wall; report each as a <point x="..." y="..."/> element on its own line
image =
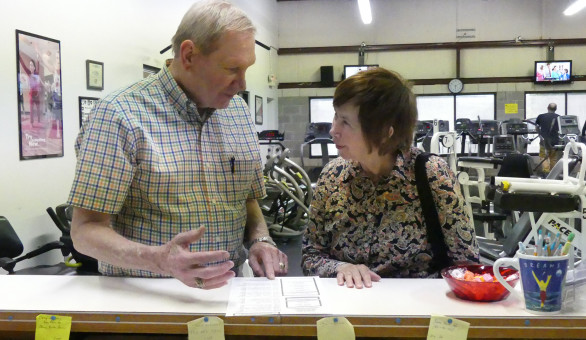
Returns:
<point x="338" y="23"/>
<point x="123" y="35"/>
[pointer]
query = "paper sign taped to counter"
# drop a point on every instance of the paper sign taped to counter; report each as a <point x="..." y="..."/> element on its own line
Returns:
<point x="52" y="327"/>
<point x="335" y="328"/>
<point x="206" y="328"/>
<point x="441" y="327"/>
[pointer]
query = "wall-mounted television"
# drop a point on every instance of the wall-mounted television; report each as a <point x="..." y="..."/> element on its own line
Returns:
<point x="553" y="72"/>
<point x="350" y="70"/>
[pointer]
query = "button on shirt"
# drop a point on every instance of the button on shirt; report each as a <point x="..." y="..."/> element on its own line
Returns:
<point x="147" y="157"/>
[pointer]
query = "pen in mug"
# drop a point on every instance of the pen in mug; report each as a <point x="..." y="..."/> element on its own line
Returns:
<point x="551" y="249"/>
<point x="568" y="244"/>
<point x="557" y="240"/>
<point x="558" y="251"/>
<point x="538" y="243"/>
<point x="522" y="248"/>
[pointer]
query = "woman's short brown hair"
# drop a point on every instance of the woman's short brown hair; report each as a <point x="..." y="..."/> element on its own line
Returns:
<point x="384" y="99"/>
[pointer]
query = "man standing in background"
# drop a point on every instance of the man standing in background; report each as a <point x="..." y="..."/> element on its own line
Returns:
<point x="548" y="133"/>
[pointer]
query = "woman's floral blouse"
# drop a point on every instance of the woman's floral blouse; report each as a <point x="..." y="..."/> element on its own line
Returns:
<point x="381" y="225"/>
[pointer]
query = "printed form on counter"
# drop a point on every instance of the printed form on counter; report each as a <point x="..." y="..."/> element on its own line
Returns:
<point x="283" y="295"/>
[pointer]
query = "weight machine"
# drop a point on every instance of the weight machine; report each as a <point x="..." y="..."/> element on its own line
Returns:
<point x="561" y="202"/>
<point x="289" y="190"/>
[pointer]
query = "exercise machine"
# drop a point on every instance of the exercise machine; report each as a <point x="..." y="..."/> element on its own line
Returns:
<point x="561" y="203"/>
<point x="11" y="249"/>
<point x="289" y="191"/>
<point x="317" y="133"/>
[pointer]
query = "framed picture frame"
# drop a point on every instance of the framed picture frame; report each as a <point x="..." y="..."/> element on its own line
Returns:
<point x="39" y="96"/>
<point x="94" y="72"/>
<point x="86" y="104"/>
<point x="258" y="118"/>
<point x="246" y="96"/>
<point x="148" y="70"/>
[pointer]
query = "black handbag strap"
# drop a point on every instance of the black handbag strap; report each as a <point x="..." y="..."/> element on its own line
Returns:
<point x="432" y="224"/>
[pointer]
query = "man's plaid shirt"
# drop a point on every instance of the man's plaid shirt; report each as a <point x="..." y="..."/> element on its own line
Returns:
<point x="148" y="158"/>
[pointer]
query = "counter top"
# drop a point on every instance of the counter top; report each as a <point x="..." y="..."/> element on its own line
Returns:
<point x="392" y="307"/>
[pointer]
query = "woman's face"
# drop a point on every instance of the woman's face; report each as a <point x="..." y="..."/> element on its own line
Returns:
<point x="31" y="66"/>
<point x="347" y="133"/>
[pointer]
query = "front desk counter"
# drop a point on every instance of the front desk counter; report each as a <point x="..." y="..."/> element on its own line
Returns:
<point x="394" y="308"/>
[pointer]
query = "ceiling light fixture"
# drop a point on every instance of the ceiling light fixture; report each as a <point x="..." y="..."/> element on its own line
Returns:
<point x="365" y="14"/>
<point x="575" y="7"/>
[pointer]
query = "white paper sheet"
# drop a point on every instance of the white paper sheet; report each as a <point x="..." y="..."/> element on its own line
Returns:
<point x="283" y="295"/>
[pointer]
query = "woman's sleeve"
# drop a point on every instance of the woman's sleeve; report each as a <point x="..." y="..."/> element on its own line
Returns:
<point x="457" y="228"/>
<point x="316" y="240"/>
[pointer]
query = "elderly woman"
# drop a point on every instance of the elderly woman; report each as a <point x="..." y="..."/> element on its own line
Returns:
<point x="366" y="218"/>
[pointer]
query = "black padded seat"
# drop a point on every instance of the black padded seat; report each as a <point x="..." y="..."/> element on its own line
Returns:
<point x="489" y="217"/>
<point x="536" y="202"/>
<point x="479" y="159"/>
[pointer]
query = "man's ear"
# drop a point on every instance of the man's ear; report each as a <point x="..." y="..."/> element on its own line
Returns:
<point x="187" y="52"/>
<point x="391" y="132"/>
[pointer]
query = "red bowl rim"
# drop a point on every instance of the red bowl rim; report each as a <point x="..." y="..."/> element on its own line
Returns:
<point x="444" y="272"/>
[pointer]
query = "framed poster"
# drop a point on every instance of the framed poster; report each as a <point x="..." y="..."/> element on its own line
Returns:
<point x="245" y="95"/>
<point x="94" y="72"/>
<point x="258" y="110"/>
<point x="86" y="104"/>
<point x="40" y="109"/>
<point x="148" y="70"/>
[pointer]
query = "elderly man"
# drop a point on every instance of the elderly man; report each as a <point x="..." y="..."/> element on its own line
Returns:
<point x="169" y="169"/>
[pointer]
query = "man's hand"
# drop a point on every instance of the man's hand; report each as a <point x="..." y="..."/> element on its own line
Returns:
<point x="267" y="260"/>
<point x="192" y="268"/>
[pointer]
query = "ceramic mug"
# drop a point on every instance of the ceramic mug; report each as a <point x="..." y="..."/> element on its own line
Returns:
<point x="542" y="280"/>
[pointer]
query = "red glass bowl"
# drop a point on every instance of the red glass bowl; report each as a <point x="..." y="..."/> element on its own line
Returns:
<point x="480" y="291"/>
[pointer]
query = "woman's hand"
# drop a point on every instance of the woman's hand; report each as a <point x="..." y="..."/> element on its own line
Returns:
<point x="356" y="275"/>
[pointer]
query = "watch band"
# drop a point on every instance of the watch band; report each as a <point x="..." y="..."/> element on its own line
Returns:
<point x="265" y="239"/>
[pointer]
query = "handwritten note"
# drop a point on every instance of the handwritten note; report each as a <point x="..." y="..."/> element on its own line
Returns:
<point x="206" y="328"/>
<point x="335" y="328"/>
<point x="52" y="327"/>
<point x="441" y="327"/>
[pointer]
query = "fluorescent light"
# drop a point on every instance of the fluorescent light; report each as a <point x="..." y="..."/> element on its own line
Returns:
<point x="574" y="8"/>
<point x="365" y="14"/>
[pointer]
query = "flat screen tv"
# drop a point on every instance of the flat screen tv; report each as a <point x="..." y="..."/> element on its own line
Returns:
<point x="553" y="72"/>
<point x="350" y="70"/>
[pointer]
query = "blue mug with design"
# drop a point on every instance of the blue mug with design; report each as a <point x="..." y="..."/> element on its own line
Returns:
<point x="542" y="280"/>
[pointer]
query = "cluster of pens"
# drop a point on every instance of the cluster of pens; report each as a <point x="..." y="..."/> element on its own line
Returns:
<point x="546" y="246"/>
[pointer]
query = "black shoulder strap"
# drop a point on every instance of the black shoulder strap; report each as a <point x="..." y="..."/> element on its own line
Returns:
<point x="432" y="224"/>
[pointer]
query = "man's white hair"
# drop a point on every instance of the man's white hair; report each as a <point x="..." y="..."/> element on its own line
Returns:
<point x="206" y="21"/>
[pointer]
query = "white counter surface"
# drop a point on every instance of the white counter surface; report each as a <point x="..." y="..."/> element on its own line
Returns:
<point x="390" y="297"/>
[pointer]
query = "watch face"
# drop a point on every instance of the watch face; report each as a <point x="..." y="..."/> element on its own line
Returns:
<point x="455" y="85"/>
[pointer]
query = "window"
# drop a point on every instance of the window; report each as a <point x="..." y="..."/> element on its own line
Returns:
<point x="436" y="107"/>
<point x="577" y="106"/>
<point x="569" y="103"/>
<point x="452" y="107"/>
<point x="321" y="109"/>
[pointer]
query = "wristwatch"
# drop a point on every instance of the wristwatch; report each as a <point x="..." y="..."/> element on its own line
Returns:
<point x="265" y="239"/>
